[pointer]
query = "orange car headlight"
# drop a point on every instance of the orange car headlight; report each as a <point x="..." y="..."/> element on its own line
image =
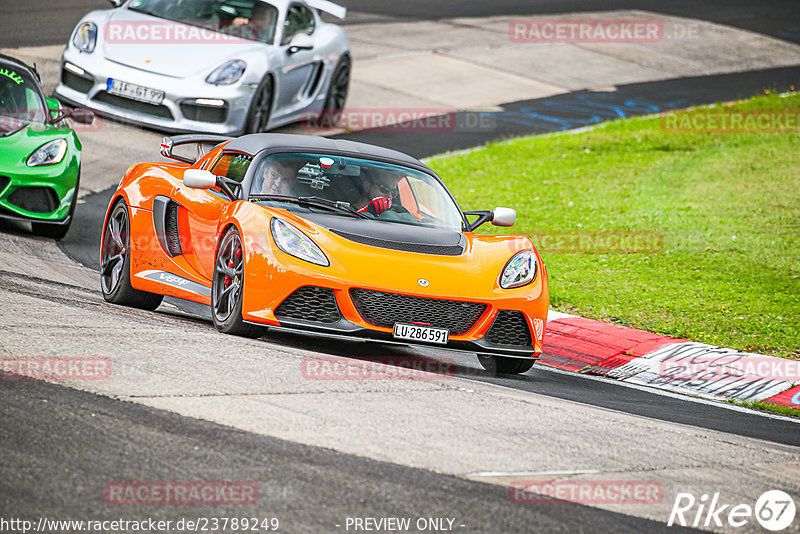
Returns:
<point x="295" y="243"/>
<point x="519" y="271"/>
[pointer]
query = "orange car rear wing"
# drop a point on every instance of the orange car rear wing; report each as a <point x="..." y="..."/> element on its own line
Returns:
<point x="204" y="143"/>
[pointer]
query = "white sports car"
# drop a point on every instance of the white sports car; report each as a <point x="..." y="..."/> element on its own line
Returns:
<point x="216" y="66"/>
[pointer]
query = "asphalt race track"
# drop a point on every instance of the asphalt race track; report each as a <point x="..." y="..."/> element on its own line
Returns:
<point x="308" y="489"/>
<point x="43" y="22"/>
<point x="582" y="108"/>
<point x="192" y="404"/>
<point x="779" y="18"/>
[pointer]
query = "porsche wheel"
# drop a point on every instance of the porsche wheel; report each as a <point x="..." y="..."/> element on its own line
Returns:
<point x="260" y="107"/>
<point x="227" y="288"/>
<point x="115" y="263"/>
<point x="505" y="366"/>
<point x="337" y="93"/>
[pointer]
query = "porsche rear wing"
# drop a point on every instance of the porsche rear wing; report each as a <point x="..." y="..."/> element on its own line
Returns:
<point x="204" y="142"/>
<point x="328" y="7"/>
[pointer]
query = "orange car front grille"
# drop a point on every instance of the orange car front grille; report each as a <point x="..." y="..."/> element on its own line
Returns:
<point x="386" y="309"/>
<point x="509" y="328"/>
<point x="310" y="303"/>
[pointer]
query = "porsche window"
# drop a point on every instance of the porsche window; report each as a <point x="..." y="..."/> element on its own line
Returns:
<point x="299" y="19"/>
<point x="254" y="20"/>
<point x="20" y="102"/>
<point x="375" y="190"/>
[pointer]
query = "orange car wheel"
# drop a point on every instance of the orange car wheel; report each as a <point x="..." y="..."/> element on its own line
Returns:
<point x="115" y="263"/>
<point x="227" y="288"/>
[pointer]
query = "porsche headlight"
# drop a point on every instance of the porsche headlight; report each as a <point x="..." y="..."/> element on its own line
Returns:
<point x="48" y="154"/>
<point x="86" y="37"/>
<point x="295" y="243"/>
<point x="519" y="271"/>
<point x="227" y="73"/>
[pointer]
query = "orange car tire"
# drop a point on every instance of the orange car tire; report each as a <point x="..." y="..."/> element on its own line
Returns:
<point x="227" y="287"/>
<point x="115" y="263"/>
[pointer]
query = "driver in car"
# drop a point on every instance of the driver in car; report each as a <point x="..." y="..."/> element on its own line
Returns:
<point x="379" y="191"/>
<point x="279" y="177"/>
<point x="259" y="26"/>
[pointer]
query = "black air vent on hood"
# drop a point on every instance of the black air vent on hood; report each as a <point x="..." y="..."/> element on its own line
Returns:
<point x="391" y="235"/>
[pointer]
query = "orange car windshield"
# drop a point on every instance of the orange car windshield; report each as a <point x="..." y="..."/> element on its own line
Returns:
<point x="381" y="191"/>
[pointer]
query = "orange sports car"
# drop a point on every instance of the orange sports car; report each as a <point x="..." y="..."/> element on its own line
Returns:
<point x="327" y="236"/>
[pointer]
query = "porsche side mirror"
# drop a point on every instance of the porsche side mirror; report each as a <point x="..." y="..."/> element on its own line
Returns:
<point x="504" y="217"/>
<point x="199" y="179"/>
<point x="299" y="42"/>
<point x="116" y="3"/>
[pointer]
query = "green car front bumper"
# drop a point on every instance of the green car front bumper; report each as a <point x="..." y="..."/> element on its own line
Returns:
<point x="42" y="193"/>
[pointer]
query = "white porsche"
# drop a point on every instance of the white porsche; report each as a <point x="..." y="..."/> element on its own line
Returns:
<point x="214" y="66"/>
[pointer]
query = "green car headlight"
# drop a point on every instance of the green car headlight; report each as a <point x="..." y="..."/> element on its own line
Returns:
<point x="48" y="154"/>
<point x="295" y="243"/>
<point x="519" y="271"/>
<point x="86" y="37"/>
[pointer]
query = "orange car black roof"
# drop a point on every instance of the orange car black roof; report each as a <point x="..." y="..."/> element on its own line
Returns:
<point x="255" y="143"/>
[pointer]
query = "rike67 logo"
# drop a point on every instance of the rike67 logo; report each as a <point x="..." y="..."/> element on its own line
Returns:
<point x="774" y="510"/>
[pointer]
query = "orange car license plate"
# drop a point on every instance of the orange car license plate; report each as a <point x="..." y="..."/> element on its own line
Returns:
<point x="413" y="332"/>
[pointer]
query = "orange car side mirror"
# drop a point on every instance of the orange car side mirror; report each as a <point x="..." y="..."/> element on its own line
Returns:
<point x="199" y="179"/>
<point x="504" y="217"/>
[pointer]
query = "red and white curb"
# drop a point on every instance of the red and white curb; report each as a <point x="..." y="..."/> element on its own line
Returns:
<point x="678" y="365"/>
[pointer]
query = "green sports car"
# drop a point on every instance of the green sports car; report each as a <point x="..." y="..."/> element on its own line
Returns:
<point x="40" y="154"/>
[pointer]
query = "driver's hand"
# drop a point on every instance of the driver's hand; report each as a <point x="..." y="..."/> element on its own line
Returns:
<point x="377" y="206"/>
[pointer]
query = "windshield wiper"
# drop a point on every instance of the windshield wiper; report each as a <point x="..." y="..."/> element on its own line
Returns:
<point x="316" y="202"/>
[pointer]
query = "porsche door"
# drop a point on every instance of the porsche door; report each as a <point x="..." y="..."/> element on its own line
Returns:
<point x="199" y="212"/>
<point x="301" y="73"/>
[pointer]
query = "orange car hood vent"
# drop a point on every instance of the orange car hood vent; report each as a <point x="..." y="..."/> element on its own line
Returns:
<point x="403" y="237"/>
<point x="419" y="248"/>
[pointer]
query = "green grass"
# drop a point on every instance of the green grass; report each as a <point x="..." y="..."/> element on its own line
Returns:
<point x="767" y="407"/>
<point x="727" y="205"/>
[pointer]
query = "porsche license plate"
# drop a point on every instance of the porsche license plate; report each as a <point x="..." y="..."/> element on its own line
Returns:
<point x="428" y="334"/>
<point x="135" y="92"/>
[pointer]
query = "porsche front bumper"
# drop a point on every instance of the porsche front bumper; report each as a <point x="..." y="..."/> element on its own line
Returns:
<point x="84" y="83"/>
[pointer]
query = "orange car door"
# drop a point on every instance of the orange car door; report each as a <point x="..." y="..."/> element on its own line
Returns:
<point x="201" y="212"/>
